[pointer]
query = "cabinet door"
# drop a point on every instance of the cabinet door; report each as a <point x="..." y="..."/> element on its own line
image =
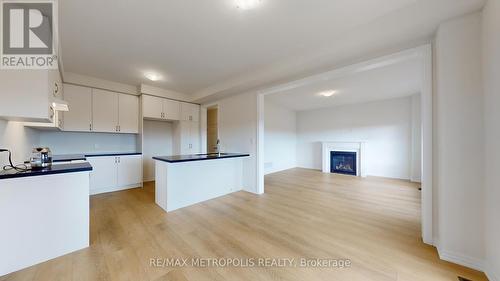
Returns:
<point x="55" y="84"/>
<point x="79" y="116"/>
<point x="129" y="170"/>
<point x="152" y="107"/>
<point x="171" y="109"/>
<point x="182" y="138"/>
<point x="190" y="112"/>
<point x="104" y="173"/>
<point x="195" y="112"/>
<point x="194" y="134"/>
<point x="185" y="111"/>
<point x="128" y="114"/>
<point x="104" y="111"/>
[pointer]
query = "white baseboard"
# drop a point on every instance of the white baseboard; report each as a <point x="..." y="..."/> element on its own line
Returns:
<point x="148" y="179"/>
<point x="470" y="262"/>
<point x="114" y="188"/>
<point x="492" y="273"/>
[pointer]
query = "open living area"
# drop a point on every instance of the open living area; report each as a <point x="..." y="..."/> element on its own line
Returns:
<point x="249" y="140"/>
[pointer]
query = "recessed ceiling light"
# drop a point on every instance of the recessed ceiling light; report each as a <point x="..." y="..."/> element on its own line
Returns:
<point x="327" y="93"/>
<point x="153" y="76"/>
<point x="247" y="4"/>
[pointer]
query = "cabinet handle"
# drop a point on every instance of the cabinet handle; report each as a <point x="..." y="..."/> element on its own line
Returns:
<point x="56" y="89"/>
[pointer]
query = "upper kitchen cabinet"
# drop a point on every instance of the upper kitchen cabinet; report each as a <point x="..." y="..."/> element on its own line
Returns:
<point x="171" y="109"/>
<point x="33" y="101"/>
<point x="94" y="110"/>
<point x="128" y="114"/>
<point x="190" y="112"/>
<point x="79" y="116"/>
<point x="152" y="107"/>
<point x="114" y="113"/>
<point x="160" y="108"/>
<point x="104" y="111"/>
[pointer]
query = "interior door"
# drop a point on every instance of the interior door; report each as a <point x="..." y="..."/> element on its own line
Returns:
<point x="104" y="111"/>
<point x="104" y="173"/>
<point x="79" y="118"/>
<point x="129" y="170"/>
<point x="128" y="112"/>
<point x="212" y="130"/>
<point x="152" y="107"/>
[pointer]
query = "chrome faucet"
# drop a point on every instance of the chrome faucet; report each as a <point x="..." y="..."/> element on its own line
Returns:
<point x="218" y="147"/>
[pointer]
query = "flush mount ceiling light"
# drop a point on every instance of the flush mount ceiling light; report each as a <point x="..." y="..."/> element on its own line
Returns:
<point x="247" y="4"/>
<point x="153" y="76"/>
<point x="327" y="93"/>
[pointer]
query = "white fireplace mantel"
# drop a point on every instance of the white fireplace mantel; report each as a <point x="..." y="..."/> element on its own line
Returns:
<point x="358" y="147"/>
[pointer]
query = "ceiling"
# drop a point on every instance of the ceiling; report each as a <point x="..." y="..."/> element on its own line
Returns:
<point x="206" y="48"/>
<point x="400" y="79"/>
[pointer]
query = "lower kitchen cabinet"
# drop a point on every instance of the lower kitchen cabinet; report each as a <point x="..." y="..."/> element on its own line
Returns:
<point x="112" y="173"/>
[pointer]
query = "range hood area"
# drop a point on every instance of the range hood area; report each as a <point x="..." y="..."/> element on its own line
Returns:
<point x="57" y="107"/>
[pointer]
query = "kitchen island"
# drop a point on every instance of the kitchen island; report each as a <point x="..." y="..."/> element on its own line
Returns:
<point x="184" y="180"/>
<point x="44" y="214"/>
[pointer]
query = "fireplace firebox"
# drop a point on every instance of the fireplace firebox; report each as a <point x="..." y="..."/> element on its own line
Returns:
<point x="343" y="162"/>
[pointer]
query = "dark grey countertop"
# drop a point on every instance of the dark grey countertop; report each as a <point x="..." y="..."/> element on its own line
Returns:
<point x="198" y="157"/>
<point x="54" y="169"/>
<point x="83" y="156"/>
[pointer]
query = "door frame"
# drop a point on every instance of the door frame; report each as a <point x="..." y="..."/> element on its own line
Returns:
<point x="204" y="124"/>
<point x="425" y="54"/>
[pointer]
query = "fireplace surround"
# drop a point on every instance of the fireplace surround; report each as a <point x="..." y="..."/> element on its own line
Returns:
<point x="352" y="147"/>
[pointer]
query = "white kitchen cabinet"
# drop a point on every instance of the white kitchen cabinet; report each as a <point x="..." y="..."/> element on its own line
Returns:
<point x="160" y="108"/>
<point x="104" y="173"/>
<point x="171" y="110"/>
<point x="195" y="138"/>
<point x="152" y="107"/>
<point x="55" y="84"/>
<point x="187" y="138"/>
<point x="112" y="173"/>
<point x="27" y="95"/>
<point x="190" y="112"/>
<point x="129" y="170"/>
<point x="94" y="110"/>
<point x="128" y="120"/>
<point x="104" y="111"/>
<point x="79" y="99"/>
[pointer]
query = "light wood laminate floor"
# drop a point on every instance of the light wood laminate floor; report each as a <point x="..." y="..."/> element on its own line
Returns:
<point x="375" y="223"/>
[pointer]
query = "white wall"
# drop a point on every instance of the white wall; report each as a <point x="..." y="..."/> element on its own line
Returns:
<point x="491" y="73"/>
<point x="384" y="125"/>
<point x="72" y="142"/>
<point x="416" y="139"/>
<point x="238" y="132"/>
<point x="280" y="138"/>
<point x="157" y="142"/>
<point x="18" y="139"/>
<point x="458" y="149"/>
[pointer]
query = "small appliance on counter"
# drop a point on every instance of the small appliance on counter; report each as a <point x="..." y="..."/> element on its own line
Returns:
<point x="41" y="157"/>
